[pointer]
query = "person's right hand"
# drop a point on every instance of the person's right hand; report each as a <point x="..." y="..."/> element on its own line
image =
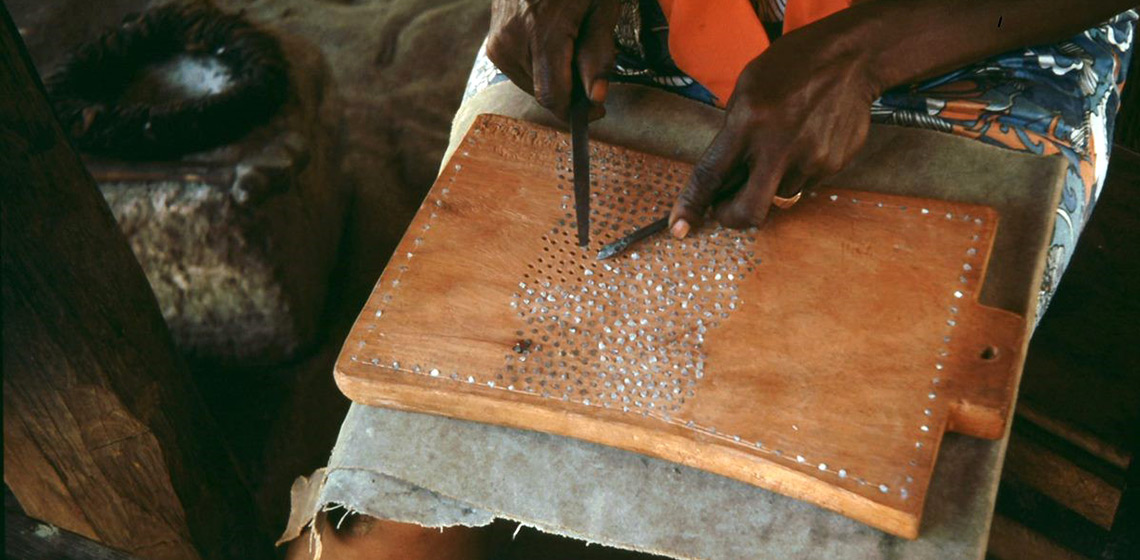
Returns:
<point x="538" y="44"/>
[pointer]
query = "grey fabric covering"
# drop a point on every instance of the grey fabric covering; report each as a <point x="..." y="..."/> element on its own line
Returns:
<point x="385" y="459"/>
<point x="600" y="494"/>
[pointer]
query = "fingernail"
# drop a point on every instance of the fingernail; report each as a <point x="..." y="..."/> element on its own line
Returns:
<point x="680" y="229"/>
<point x="598" y="91"/>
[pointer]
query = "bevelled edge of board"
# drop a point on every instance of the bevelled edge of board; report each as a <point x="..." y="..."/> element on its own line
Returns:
<point x="715" y="457"/>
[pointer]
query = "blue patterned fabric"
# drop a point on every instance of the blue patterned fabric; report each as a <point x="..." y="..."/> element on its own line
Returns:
<point x="1051" y="99"/>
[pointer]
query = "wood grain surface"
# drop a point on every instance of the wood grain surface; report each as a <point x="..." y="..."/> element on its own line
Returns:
<point x="822" y="357"/>
<point x="105" y="434"/>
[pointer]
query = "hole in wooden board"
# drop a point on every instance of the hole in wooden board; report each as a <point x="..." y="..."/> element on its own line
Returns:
<point x="989" y="353"/>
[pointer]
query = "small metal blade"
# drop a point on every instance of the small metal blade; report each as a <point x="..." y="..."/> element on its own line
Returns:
<point x="618" y="247"/>
<point x="580" y="142"/>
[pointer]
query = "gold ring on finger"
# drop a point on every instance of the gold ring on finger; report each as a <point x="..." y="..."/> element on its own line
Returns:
<point x="785" y="203"/>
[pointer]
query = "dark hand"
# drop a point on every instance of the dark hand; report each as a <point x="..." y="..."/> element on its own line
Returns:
<point x="539" y="43"/>
<point x="799" y="113"/>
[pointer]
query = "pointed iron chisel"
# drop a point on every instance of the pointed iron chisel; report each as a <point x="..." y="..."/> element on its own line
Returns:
<point x="618" y="247"/>
<point x="580" y="143"/>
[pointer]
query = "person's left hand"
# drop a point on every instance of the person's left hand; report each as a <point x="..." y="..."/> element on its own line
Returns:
<point x="799" y="113"/>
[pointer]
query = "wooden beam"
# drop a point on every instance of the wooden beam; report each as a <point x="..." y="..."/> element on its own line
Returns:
<point x="1123" y="540"/>
<point x="105" y="434"/>
<point x="29" y="539"/>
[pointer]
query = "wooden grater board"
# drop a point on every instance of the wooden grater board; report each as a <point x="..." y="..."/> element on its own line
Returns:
<point x="822" y="357"/>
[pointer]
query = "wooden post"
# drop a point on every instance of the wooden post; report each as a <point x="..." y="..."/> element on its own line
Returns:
<point x="105" y="434"/>
<point x="29" y="539"/>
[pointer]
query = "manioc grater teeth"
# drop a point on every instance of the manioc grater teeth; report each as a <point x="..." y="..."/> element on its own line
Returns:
<point x="625" y="334"/>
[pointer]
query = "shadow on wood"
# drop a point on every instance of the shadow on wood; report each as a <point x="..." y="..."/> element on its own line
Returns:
<point x="28" y="539"/>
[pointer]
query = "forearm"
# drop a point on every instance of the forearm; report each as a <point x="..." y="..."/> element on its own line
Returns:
<point x="903" y="41"/>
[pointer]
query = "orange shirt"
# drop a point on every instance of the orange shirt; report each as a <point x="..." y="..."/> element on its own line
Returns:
<point x="713" y="40"/>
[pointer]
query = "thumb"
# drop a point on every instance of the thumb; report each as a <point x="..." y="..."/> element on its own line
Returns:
<point x="708" y="178"/>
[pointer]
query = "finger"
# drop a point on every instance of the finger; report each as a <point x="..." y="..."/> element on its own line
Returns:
<point x="551" y="60"/>
<point x="750" y="206"/>
<point x="709" y="177"/>
<point x="511" y="57"/>
<point x="518" y="73"/>
<point x="793" y="182"/>
<point x="803" y="184"/>
<point x="596" y="51"/>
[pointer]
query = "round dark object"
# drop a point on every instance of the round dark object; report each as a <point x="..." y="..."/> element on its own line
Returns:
<point x="180" y="78"/>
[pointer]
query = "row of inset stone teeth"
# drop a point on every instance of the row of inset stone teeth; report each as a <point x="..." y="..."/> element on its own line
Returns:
<point x="951" y="322"/>
<point x="636" y="260"/>
<point x="710" y="431"/>
<point x="660" y="298"/>
<point x="662" y="416"/>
